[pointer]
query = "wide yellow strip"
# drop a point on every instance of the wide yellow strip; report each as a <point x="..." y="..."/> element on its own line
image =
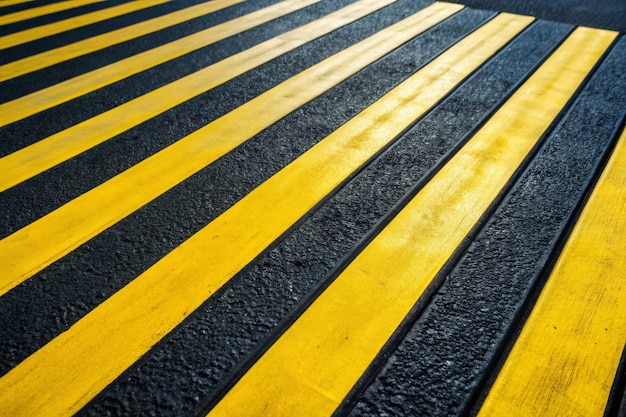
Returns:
<point x="345" y="328"/>
<point x="5" y="3"/>
<point x="86" y="46"/>
<point x="44" y="10"/>
<point x="46" y="98"/>
<point x="30" y="249"/>
<point x="567" y="354"/>
<point x="39" y="32"/>
<point x="81" y="361"/>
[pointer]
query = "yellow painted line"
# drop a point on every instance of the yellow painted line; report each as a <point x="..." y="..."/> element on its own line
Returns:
<point x="30" y="249"/>
<point x="5" y="3"/>
<point x="39" y="32"/>
<point x="78" y="363"/>
<point x="86" y="46"/>
<point x="568" y="352"/>
<point x="44" y="10"/>
<point x="75" y="87"/>
<point x="345" y="328"/>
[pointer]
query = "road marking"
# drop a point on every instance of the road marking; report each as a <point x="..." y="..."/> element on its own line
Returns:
<point x="43" y="10"/>
<point x="566" y="356"/>
<point x="95" y="43"/>
<point x="79" y="362"/>
<point x="47" y="98"/>
<point x="345" y="328"/>
<point x="29" y="249"/>
<point x="39" y="32"/>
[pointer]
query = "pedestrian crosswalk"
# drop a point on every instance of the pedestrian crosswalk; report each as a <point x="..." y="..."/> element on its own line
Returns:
<point x="115" y="301"/>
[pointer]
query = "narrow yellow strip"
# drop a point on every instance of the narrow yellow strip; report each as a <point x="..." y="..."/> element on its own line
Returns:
<point x="80" y="361"/>
<point x="5" y="3"/>
<point x="30" y="249"/>
<point x="44" y="10"/>
<point x="75" y="87"/>
<point x="345" y="328"/>
<point x="567" y="354"/>
<point x="39" y="32"/>
<point x="86" y="46"/>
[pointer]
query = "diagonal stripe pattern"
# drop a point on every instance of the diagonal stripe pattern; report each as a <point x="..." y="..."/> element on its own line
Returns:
<point x="321" y="355"/>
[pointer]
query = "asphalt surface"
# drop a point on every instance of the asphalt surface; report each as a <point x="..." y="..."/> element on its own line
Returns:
<point x="445" y="355"/>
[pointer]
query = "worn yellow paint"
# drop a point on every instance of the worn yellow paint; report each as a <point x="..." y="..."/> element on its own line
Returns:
<point x="30" y="249"/>
<point x="50" y="29"/>
<point x="64" y="53"/>
<point x="564" y="361"/>
<point x="44" y="10"/>
<point x="345" y="328"/>
<point x="176" y="92"/>
<point x="81" y="361"/>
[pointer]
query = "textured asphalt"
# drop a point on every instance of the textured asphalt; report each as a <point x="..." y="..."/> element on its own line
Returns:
<point x="443" y="358"/>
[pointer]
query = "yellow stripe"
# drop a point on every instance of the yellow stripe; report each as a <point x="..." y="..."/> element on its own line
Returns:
<point x="5" y="3"/>
<point x="86" y="46"/>
<point x="44" y="10"/>
<point x="30" y="249"/>
<point x="567" y="354"/>
<point x="75" y="87"/>
<point x="345" y="328"/>
<point x="39" y="32"/>
<point x="178" y="284"/>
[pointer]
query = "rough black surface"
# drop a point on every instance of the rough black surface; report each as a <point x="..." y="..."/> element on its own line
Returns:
<point x="245" y="316"/>
<point x="439" y="368"/>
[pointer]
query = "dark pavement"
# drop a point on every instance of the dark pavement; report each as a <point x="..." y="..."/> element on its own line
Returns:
<point x="444" y="354"/>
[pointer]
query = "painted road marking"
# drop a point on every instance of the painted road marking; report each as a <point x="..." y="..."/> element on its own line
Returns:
<point x="39" y="32"/>
<point x="87" y="215"/>
<point x="344" y="329"/>
<point x="233" y="239"/>
<point x="564" y="360"/>
<point x="43" y="10"/>
<point x="41" y="100"/>
<point x="95" y="43"/>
